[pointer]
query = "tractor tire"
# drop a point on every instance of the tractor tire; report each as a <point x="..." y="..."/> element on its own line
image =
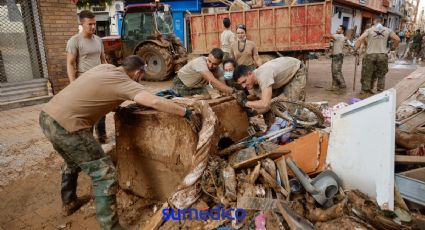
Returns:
<point x="159" y="62"/>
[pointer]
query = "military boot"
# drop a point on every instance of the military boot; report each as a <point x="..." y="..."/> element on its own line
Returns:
<point x="70" y="202"/>
<point x="106" y="212"/>
<point x="364" y="94"/>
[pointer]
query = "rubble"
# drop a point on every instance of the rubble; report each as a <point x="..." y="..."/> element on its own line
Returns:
<point x="287" y="184"/>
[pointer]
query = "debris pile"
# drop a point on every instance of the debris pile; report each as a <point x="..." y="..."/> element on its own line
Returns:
<point x="268" y="182"/>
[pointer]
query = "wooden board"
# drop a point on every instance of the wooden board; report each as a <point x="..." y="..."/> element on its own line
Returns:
<point x="402" y="159"/>
<point x="156" y="220"/>
<point x="413" y="123"/>
<point x="409" y="85"/>
<point x="418" y="174"/>
<point x="253" y="161"/>
<point x="283" y="172"/>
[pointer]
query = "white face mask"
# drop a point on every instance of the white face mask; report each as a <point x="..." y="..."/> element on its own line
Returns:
<point x="379" y="26"/>
<point x="228" y="75"/>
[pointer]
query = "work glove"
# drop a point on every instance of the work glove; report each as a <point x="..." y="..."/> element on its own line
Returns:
<point x="241" y="97"/>
<point x="193" y="119"/>
<point x="251" y="112"/>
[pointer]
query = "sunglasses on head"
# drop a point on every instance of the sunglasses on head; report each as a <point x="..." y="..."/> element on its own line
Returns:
<point x="241" y="26"/>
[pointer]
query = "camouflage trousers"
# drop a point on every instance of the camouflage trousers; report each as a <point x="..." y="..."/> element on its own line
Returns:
<point x="294" y="91"/>
<point x="374" y="67"/>
<point x="182" y="90"/>
<point x="416" y="49"/>
<point x="82" y="152"/>
<point x="337" y="77"/>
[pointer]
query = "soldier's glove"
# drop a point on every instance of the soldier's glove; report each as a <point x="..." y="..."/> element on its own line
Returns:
<point x="251" y="112"/>
<point x="193" y="119"/>
<point x="241" y="97"/>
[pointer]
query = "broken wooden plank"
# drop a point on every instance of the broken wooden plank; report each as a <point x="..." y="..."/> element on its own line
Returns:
<point x="156" y="220"/>
<point x="257" y="203"/>
<point x="294" y="221"/>
<point x="409" y="85"/>
<point x="253" y="161"/>
<point x="272" y="182"/>
<point x="398" y="199"/>
<point x="403" y="159"/>
<point x="283" y="172"/>
<point x="413" y="123"/>
<point x="254" y="174"/>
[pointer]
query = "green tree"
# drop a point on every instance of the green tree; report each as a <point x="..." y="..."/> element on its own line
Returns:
<point x="83" y="3"/>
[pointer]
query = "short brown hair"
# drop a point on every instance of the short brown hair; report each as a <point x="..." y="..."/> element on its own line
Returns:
<point x="86" y="14"/>
<point x="133" y="62"/>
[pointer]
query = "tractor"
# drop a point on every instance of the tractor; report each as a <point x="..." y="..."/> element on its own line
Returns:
<point x="147" y="31"/>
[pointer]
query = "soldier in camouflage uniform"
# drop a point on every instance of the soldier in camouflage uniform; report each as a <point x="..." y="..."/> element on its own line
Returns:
<point x="416" y="44"/>
<point x="193" y="78"/>
<point x="67" y="120"/>
<point x="339" y="41"/>
<point x="375" y="63"/>
<point x="281" y="77"/>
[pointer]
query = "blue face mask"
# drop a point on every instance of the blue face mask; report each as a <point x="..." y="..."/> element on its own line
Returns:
<point x="228" y="75"/>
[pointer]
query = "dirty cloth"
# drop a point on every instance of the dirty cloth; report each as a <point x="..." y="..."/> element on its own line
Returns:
<point x="328" y="111"/>
<point x="190" y="190"/>
<point x="227" y="37"/>
<point x="87" y="50"/>
<point x="374" y="67"/>
<point x="337" y="77"/>
<point x="168" y="93"/>
<point x="420" y="151"/>
<point x="246" y="56"/>
<point x="81" y="152"/>
<point x="277" y="125"/>
<point x="190" y="74"/>
<point x="81" y="104"/>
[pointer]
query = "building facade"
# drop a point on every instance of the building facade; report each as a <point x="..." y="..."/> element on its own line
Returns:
<point x="108" y="18"/>
<point x="356" y="15"/>
<point x="33" y="35"/>
<point x="395" y="14"/>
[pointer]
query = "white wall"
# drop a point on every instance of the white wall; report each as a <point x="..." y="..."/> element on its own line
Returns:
<point x="358" y="21"/>
<point x="354" y="21"/>
<point x="395" y="22"/>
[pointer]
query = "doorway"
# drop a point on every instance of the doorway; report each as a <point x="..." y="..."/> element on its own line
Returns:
<point x="366" y="22"/>
<point x="345" y="22"/>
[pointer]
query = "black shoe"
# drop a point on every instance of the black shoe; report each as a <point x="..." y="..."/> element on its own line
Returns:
<point x="71" y="207"/>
